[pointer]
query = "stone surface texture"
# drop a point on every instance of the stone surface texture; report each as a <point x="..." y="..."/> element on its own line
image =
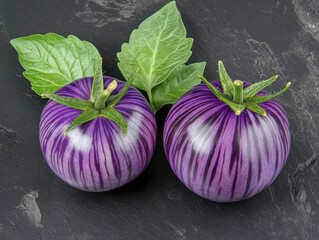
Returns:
<point x="255" y="39"/>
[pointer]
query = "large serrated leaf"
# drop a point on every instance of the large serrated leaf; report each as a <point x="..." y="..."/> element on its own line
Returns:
<point x="52" y="61"/>
<point x="157" y="47"/>
<point x="181" y="80"/>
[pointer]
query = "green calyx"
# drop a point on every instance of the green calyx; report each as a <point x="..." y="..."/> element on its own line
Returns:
<point x="239" y="98"/>
<point x="101" y="103"/>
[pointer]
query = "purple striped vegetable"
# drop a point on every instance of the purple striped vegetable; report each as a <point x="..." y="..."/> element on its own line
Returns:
<point x="97" y="155"/>
<point x="224" y="152"/>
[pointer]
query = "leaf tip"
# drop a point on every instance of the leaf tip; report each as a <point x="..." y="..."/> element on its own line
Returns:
<point x="221" y="66"/>
<point x="68" y="129"/>
<point x="12" y="41"/>
<point x="173" y="3"/>
<point x="124" y="130"/>
<point x="203" y="63"/>
<point x="288" y="84"/>
<point x="238" y="112"/>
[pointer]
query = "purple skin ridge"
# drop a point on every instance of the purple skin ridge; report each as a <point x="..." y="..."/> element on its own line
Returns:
<point x="221" y="156"/>
<point x="96" y="156"/>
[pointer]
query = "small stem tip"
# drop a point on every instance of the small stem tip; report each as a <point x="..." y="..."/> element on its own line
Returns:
<point x="111" y="87"/>
<point x="238" y="92"/>
<point x="100" y="101"/>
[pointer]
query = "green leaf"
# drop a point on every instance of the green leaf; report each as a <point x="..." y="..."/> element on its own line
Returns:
<point x="256" y="87"/>
<point x="86" y="116"/>
<point x="257" y="109"/>
<point x="181" y="80"/>
<point x="98" y="83"/>
<point x="157" y="47"/>
<point x="261" y="99"/>
<point x="70" y="102"/>
<point x="225" y="80"/>
<point x="115" y="116"/>
<point x="52" y="61"/>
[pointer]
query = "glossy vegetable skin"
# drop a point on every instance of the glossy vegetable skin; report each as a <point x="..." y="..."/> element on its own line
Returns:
<point x="97" y="155"/>
<point x="222" y="156"/>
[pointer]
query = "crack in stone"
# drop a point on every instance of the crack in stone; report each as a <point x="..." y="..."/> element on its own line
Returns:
<point x="304" y="166"/>
<point x="179" y="233"/>
<point x="308" y="14"/>
<point x="100" y="12"/>
<point x="103" y="12"/>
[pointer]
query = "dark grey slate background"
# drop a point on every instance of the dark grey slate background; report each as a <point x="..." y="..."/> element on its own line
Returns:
<point x="254" y="38"/>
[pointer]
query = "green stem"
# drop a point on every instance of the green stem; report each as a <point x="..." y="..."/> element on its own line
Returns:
<point x="238" y="92"/>
<point x="150" y="99"/>
<point x="101" y="99"/>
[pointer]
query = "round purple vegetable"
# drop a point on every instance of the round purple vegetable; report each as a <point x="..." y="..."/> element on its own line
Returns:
<point x="227" y="141"/>
<point x="97" y="140"/>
